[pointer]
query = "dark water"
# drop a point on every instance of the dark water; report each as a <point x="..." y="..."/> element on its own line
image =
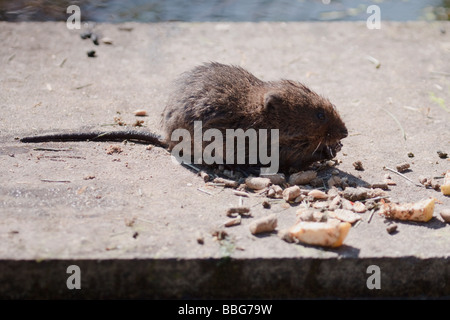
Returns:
<point x="223" y="10"/>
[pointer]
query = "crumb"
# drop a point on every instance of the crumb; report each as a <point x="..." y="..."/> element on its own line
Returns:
<point x="114" y="149"/>
<point x="358" y="165"/>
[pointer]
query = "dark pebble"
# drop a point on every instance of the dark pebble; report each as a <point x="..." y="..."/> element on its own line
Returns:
<point x="442" y="155"/>
<point x="266" y="204"/>
<point x="91" y="53"/>
<point x="94" y="39"/>
<point x="85" y="34"/>
<point x="358" y="165"/>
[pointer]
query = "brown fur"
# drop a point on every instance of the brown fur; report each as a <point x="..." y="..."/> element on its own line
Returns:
<point x="229" y="97"/>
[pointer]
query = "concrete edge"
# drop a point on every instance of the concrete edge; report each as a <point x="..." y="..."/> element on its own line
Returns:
<point x="283" y="278"/>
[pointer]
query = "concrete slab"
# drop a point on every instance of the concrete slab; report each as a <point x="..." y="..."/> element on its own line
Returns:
<point x="75" y="206"/>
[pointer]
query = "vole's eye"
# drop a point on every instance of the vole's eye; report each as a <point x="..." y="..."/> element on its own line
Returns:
<point x="320" y="115"/>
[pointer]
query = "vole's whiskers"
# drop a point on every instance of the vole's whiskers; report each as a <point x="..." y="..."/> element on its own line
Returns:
<point x="318" y="146"/>
<point x="331" y="151"/>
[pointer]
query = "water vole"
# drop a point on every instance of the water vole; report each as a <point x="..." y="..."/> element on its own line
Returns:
<point x="229" y="97"/>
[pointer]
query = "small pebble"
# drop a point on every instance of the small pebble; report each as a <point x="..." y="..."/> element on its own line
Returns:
<point x="390" y="182"/>
<point x="302" y="177"/>
<point x="227" y="182"/>
<point x="334" y="181"/>
<point x="266" y="204"/>
<point x="113" y="149"/>
<point x="335" y="203"/>
<point x="442" y="155"/>
<point x="346" y="204"/>
<point x="138" y="123"/>
<point x="106" y="40"/>
<point x="94" y="38"/>
<point x="358" y="165"/>
<point x="91" y="53"/>
<point x="445" y="214"/>
<point x="333" y="193"/>
<point x="305" y="214"/>
<point x="233" y="222"/>
<point x="382" y="186"/>
<point x="140" y="113"/>
<point x="266" y="224"/>
<point x="291" y="193"/>
<point x="425" y="181"/>
<point x="129" y="222"/>
<point x="359" y="207"/>
<point x="320" y="205"/>
<point x="318" y="194"/>
<point x="238" y="210"/>
<point x="219" y="234"/>
<point x="320" y="216"/>
<point x="286" y="236"/>
<point x="402" y="167"/>
<point x="257" y="183"/>
<point x="435" y="185"/>
<point x="85" y="34"/>
<point x="345" y="215"/>
<point x="204" y="176"/>
<point x="391" y="228"/>
<point x="240" y="193"/>
<point x="275" y="191"/>
<point x="330" y="163"/>
<point x="355" y="194"/>
<point x="276" y="178"/>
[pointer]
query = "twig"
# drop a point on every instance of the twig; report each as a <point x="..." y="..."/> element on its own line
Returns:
<point x="374" y="61"/>
<point x="190" y="166"/>
<point x="144" y="220"/>
<point x="81" y="87"/>
<point x="375" y="199"/>
<point x="403" y="176"/>
<point x="398" y="122"/>
<point x="207" y="192"/>
<point x="412" y="108"/>
<point x="447" y="74"/>
<point x="48" y="180"/>
<point x="371" y="215"/>
<point x="117" y="234"/>
<point x="240" y="193"/>
<point x="62" y="62"/>
<point x="50" y="149"/>
<point x="216" y="184"/>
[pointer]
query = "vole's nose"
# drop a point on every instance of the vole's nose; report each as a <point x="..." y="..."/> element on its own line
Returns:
<point x="344" y="133"/>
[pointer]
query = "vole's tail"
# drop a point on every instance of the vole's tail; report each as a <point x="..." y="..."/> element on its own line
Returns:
<point x="131" y="135"/>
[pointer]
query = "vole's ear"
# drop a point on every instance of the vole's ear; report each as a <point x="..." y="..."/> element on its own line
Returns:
<point x="272" y="100"/>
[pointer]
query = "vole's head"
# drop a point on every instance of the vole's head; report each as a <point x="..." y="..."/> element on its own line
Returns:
<point x="310" y="126"/>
